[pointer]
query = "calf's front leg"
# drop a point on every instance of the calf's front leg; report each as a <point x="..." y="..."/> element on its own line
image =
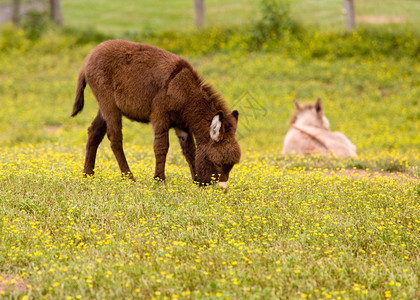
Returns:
<point x="186" y="141"/>
<point x="160" y="147"/>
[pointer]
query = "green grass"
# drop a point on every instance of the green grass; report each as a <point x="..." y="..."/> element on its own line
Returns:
<point x="287" y="228"/>
<point x="156" y="16"/>
<point x="277" y="233"/>
<point x="152" y="16"/>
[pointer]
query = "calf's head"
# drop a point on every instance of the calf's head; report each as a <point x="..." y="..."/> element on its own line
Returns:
<point x="311" y="115"/>
<point x="215" y="159"/>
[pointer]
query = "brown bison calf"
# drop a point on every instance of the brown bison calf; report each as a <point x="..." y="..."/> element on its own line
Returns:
<point x="148" y="84"/>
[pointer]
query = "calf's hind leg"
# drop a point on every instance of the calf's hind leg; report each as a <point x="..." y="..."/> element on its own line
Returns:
<point x="114" y="133"/>
<point x="96" y="133"/>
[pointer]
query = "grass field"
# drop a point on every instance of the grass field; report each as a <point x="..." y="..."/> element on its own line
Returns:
<point x="128" y="16"/>
<point x="287" y="228"/>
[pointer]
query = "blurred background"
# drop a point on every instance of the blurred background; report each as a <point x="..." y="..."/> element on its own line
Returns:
<point x="183" y="15"/>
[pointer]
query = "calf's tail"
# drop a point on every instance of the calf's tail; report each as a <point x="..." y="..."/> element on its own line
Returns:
<point x="79" y="101"/>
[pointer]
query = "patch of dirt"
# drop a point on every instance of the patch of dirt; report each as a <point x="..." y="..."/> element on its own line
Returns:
<point x="223" y="8"/>
<point x="380" y="19"/>
<point x="357" y="173"/>
<point x="52" y="129"/>
<point x="16" y="283"/>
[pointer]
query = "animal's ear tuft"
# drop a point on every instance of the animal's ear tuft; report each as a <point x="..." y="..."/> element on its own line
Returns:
<point x="235" y="114"/>
<point x="216" y="133"/>
<point x="297" y="104"/>
<point x="220" y="114"/>
<point x="318" y="106"/>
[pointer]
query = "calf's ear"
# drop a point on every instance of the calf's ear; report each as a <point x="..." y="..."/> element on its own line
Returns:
<point x="216" y="127"/>
<point x="235" y="114"/>
<point x="318" y="106"/>
<point x="297" y="104"/>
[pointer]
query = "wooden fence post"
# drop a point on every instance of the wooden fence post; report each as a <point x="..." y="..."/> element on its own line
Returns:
<point x="16" y="12"/>
<point x="350" y="15"/>
<point x="199" y="13"/>
<point x="55" y="12"/>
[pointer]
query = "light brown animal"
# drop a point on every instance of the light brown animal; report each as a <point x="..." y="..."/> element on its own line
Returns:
<point x="148" y="84"/>
<point x="309" y="133"/>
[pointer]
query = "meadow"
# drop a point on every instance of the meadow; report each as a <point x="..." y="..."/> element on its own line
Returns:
<point x="287" y="228"/>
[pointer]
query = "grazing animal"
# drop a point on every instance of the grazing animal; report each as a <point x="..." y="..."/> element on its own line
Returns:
<point x="148" y="84"/>
<point x="309" y="133"/>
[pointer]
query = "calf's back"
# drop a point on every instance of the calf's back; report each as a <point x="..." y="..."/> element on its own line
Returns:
<point x="130" y="76"/>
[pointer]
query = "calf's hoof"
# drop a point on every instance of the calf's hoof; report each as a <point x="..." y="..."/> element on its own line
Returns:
<point x="88" y="175"/>
<point x="128" y="176"/>
<point x="159" y="179"/>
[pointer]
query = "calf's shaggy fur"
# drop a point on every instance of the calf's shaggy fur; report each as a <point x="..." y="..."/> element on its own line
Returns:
<point x="148" y="84"/>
